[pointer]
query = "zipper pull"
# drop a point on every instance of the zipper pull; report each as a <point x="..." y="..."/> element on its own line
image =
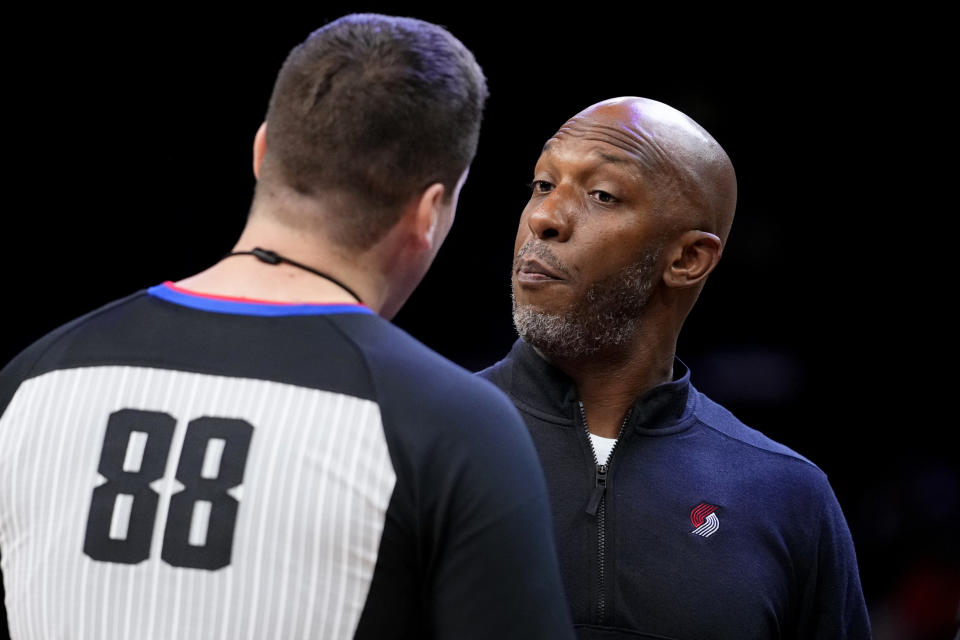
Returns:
<point x="598" y="489"/>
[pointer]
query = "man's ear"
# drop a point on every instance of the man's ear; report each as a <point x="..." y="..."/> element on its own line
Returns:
<point x="259" y="149"/>
<point x="427" y="216"/>
<point x="693" y="256"/>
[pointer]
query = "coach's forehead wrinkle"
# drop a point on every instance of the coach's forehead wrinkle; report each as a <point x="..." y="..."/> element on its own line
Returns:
<point x="629" y="137"/>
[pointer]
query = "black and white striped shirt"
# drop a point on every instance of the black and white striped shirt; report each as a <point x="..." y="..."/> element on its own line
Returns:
<point x="183" y="466"/>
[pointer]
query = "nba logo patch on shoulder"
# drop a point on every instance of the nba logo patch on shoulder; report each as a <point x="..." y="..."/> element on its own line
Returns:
<point x="704" y="519"/>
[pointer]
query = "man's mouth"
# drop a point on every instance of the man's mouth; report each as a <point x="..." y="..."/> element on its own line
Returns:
<point x="536" y="263"/>
<point x="531" y="269"/>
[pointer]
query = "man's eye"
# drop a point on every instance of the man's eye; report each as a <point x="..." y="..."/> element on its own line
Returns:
<point x="540" y="186"/>
<point x="603" y="197"/>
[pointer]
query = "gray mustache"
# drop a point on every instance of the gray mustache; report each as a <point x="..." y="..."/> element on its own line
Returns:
<point x="542" y="251"/>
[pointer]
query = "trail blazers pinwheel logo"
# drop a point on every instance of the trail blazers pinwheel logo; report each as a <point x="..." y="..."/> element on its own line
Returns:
<point x="704" y="519"/>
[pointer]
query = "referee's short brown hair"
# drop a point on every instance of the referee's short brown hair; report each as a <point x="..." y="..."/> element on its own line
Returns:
<point x="367" y="112"/>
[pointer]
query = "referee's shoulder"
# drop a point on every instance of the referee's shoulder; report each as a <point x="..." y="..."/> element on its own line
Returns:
<point x="29" y="360"/>
<point x="42" y="355"/>
<point x="405" y="368"/>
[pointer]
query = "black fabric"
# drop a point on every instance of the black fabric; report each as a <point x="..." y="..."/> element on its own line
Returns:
<point x="780" y="565"/>
<point x="143" y="330"/>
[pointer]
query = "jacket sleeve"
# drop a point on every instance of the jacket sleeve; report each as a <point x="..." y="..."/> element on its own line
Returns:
<point x="832" y="603"/>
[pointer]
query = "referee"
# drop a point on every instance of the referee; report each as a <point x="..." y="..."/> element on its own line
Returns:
<point x="255" y="451"/>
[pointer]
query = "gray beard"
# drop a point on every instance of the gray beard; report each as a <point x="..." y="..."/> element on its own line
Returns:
<point x="606" y="317"/>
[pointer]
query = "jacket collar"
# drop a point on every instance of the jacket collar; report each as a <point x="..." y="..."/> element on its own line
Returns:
<point x="541" y="388"/>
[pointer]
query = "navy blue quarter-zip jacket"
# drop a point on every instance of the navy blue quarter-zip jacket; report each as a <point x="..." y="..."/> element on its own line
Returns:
<point x="697" y="527"/>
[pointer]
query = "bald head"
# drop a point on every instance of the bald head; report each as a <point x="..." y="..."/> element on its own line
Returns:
<point x="692" y="174"/>
<point x="631" y="202"/>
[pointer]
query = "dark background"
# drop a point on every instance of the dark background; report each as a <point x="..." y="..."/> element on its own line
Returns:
<point x="827" y="325"/>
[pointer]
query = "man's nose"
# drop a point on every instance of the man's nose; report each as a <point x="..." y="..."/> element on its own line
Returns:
<point x="552" y="217"/>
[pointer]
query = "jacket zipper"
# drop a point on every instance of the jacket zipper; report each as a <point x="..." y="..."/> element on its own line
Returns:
<point x="597" y="507"/>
